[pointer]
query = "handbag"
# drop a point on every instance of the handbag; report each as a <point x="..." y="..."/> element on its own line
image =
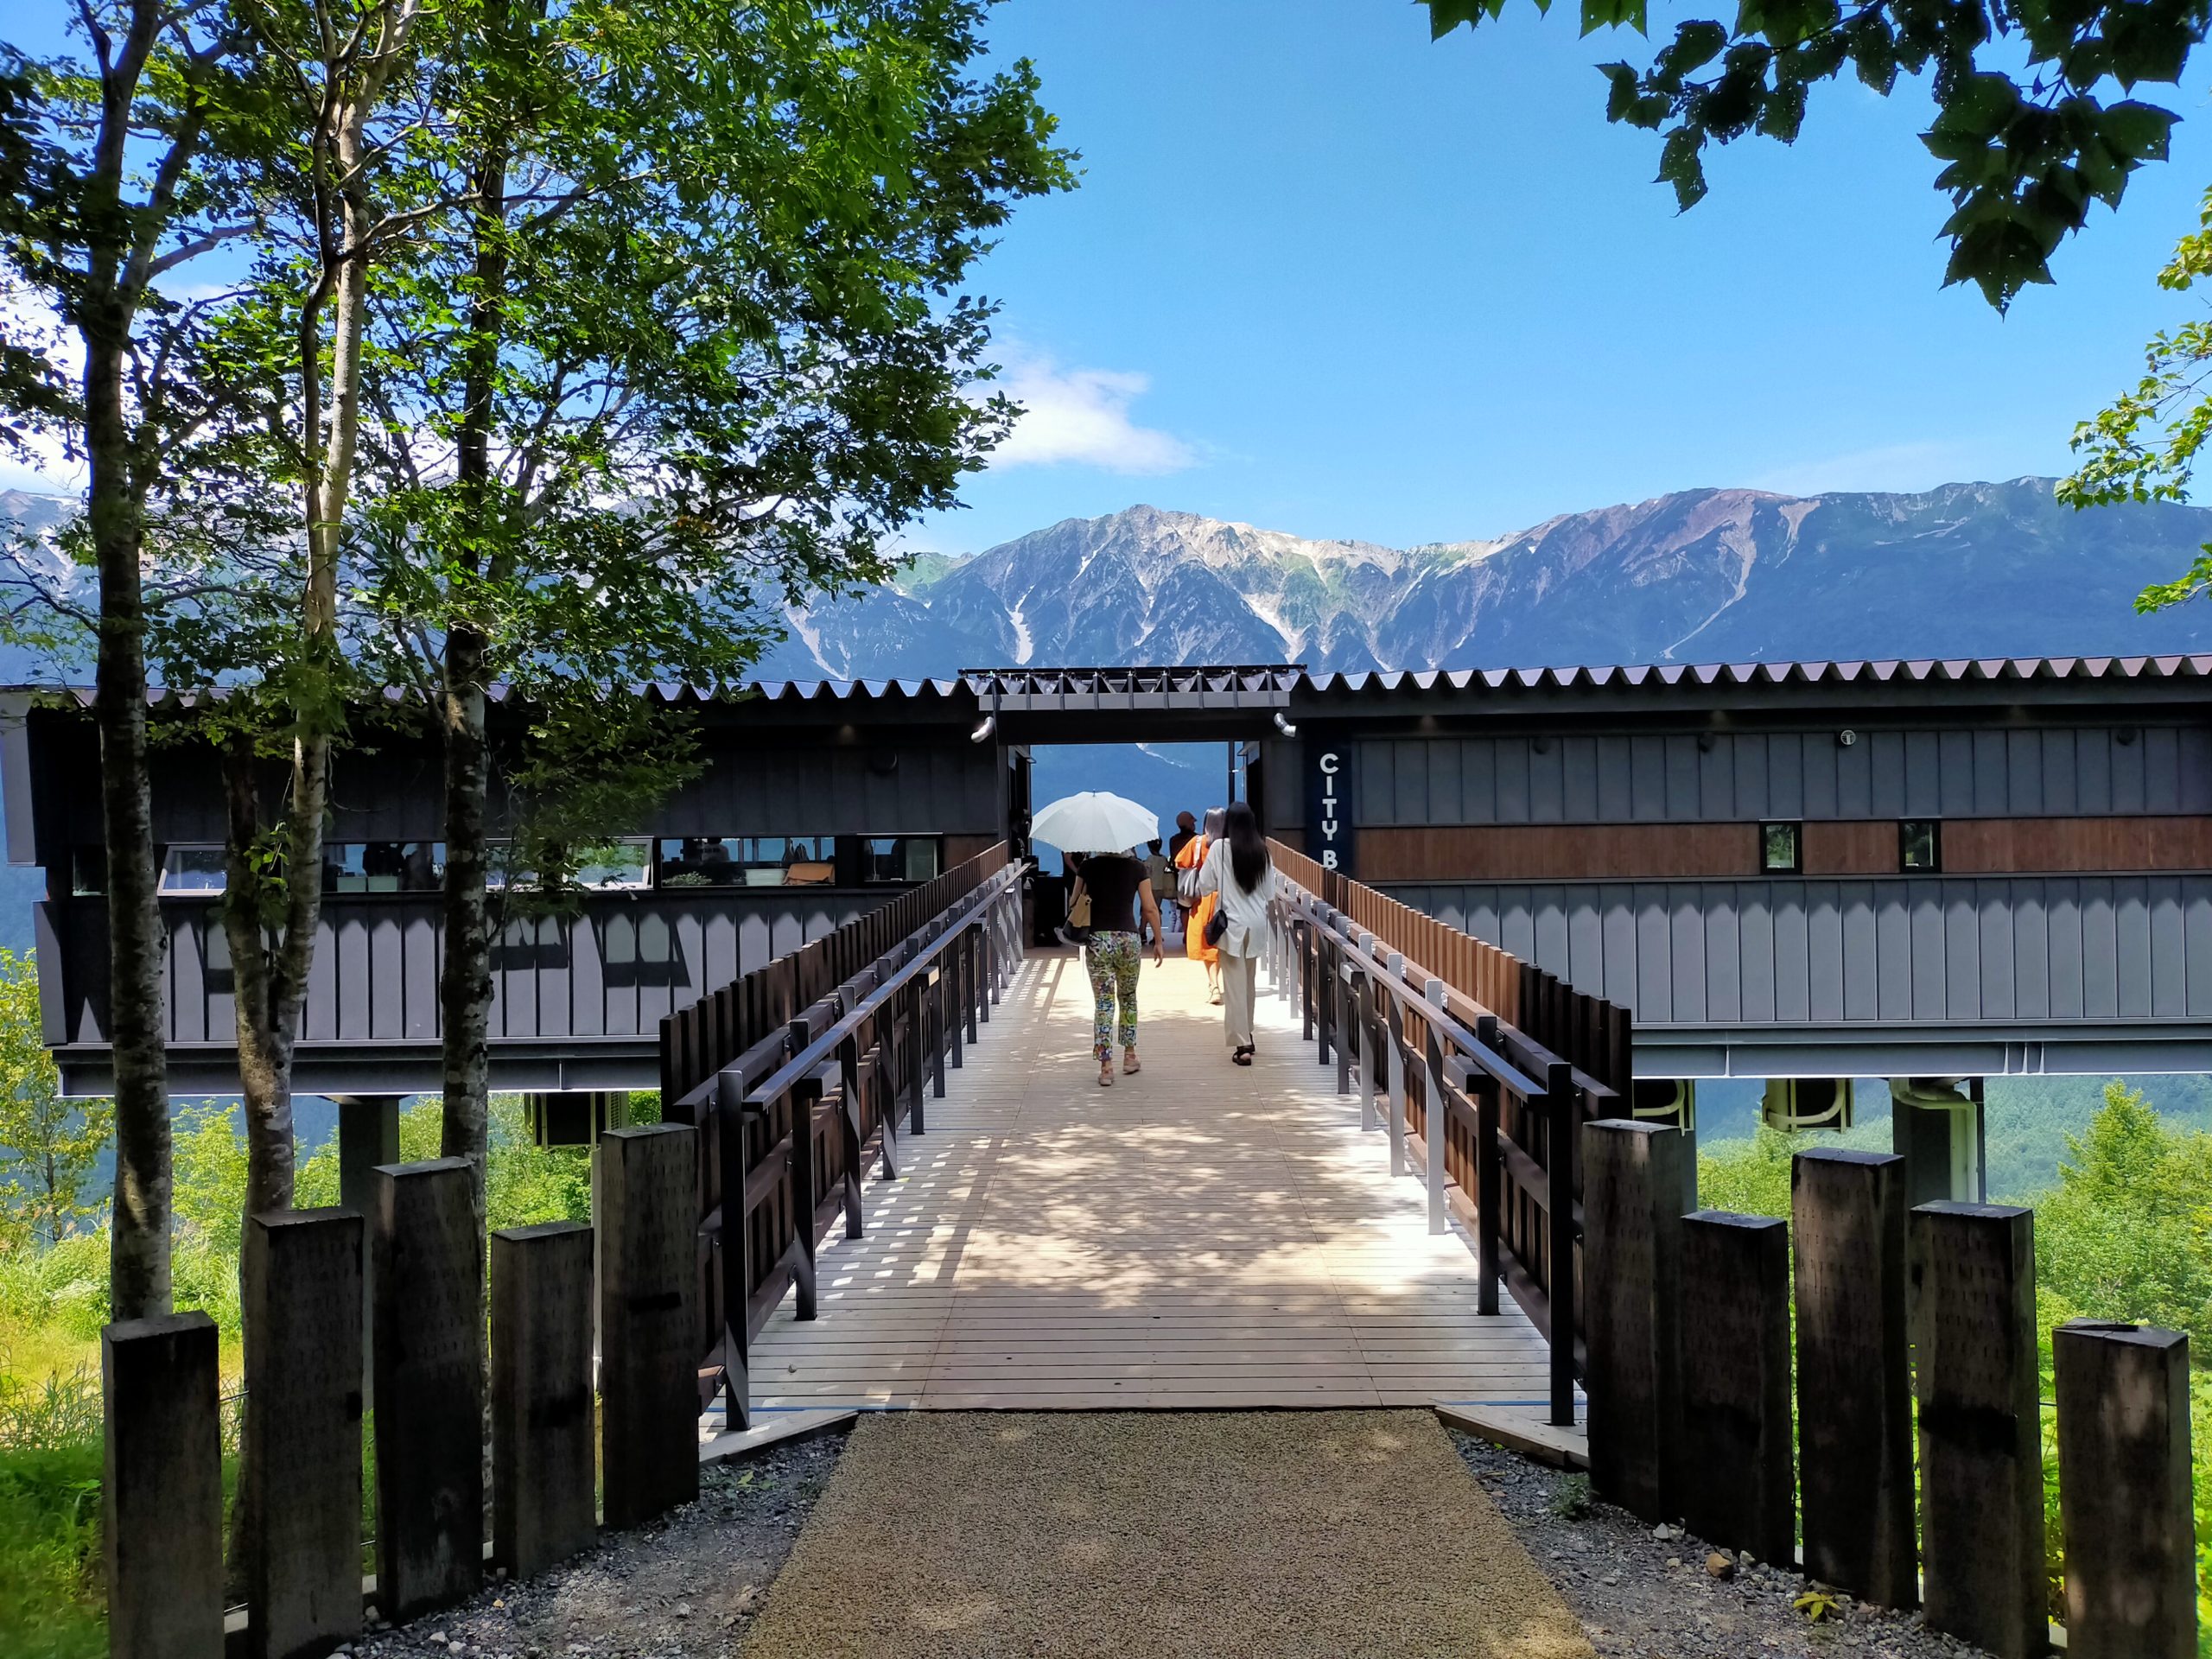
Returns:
<point x="1079" y="910"/>
<point x="1217" y="928"/>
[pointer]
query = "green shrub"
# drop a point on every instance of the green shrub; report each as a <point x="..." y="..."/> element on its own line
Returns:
<point x="50" y="1552"/>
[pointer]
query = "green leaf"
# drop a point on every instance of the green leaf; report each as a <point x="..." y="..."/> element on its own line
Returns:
<point x="1680" y="165"/>
<point x="2137" y="131"/>
<point x="1621" y="89"/>
<point x="1612" y="14"/>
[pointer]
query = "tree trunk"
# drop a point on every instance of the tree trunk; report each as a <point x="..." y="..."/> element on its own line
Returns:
<point x="465" y="993"/>
<point x="138" y="1259"/>
<point x="464" y="986"/>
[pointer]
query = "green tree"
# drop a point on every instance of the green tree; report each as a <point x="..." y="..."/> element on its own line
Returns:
<point x="2127" y="1232"/>
<point x="118" y="170"/>
<point x="50" y="1146"/>
<point x="2027" y="130"/>
<point x="2144" y="447"/>
<point x="697" y="345"/>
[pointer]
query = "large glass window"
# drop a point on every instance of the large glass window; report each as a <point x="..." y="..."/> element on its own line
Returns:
<point x="192" y="872"/>
<point x="903" y="858"/>
<point x="383" y="866"/>
<point x="747" y="860"/>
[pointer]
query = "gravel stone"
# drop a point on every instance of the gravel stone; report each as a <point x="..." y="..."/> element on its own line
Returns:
<point x="685" y="1587"/>
<point x="1640" y="1596"/>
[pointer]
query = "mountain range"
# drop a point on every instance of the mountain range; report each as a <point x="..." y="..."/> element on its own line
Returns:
<point x="1700" y="576"/>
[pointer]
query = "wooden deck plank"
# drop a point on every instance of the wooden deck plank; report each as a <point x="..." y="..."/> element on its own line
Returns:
<point x="1199" y="1237"/>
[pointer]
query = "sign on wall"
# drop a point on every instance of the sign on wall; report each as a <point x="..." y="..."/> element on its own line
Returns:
<point x="1328" y="805"/>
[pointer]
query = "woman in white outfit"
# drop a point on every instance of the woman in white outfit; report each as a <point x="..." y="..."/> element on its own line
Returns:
<point x="1237" y="869"/>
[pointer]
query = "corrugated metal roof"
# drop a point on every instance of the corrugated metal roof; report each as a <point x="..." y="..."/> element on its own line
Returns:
<point x="1270" y="682"/>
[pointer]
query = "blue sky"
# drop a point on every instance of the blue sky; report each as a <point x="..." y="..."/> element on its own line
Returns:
<point x="1327" y="276"/>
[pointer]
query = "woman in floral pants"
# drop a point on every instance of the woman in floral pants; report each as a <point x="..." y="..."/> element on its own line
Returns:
<point x="1118" y="887"/>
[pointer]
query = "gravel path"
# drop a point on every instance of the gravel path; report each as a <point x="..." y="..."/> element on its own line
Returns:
<point x="688" y="1588"/>
<point x="1302" y="1534"/>
<point x="1644" y="1597"/>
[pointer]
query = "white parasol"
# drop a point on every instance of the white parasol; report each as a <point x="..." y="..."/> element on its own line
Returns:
<point x="1094" y="822"/>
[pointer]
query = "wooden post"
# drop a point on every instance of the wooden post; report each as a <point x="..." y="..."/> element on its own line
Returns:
<point x="648" y="1372"/>
<point x="955" y="1007"/>
<point x="1434" y="1110"/>
<point x="162" y="1489"/>
<point x="1855" y="1414"/>
<point x="368" y="1135"/>
<point x="1975" y="1377"/>
<point x="2124" y="1491"/>
<point x="1394" y="1038"/>
<point x="542" y="1504"/>
<point x="736" y="1245"/>
<point x="971" y="951"/>
<point x="913" y="1030"/>
<point x="1738" y="1463"/>
<point x="1560" y="1142"/>
<point x="1631" y="1253"/>
<point x="850" y="1130"/>
<point x="302" y="1279"/>
<point x="1490" y="1179"/>
<point x="429" y="1387"/>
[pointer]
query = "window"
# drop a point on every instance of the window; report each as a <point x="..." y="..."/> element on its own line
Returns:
<point x="1782" y="848"/>
<point x="901" y="858"/>
<point x="746" y="861"/>
<point x="1920" y="844"/>
<point x="192" y="872"/>
<point x="383" y="866"/>
<point x="615" y="865"/>
<point x="87" y="871"/>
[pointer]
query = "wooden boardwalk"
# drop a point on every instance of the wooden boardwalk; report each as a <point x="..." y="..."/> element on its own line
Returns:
<point x="1200" y="1235"/>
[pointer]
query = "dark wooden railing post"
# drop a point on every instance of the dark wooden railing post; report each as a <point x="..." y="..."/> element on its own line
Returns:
<point x="1433" y="1107"/>
<point x="543" y="1410"/>
<point x="853" y="1131"/>
<point x="1343" y="1017"/>
<point x="1737" y="1465"/>
<point x="2124" y="1491"/>
<point x="1632" y="1249"/>
<point x="1362" y="992"/>
<point x="429" y="1357"/>
<point x="1976" y="1376"/>
<point x="648" y="1372"/>
<point x="1490" y="1176"/>
<point x="1301" y="940"/>
<point x="302" y="1277"/>
<point x="956" y="1008"/>
<point x="804" y="1094"/>
<point x="913" y="1021"/>
<point x="1854" y="1409"/>
<point x="1394" y="1042"/>
<point x="1560" y="1140"/>
<point x="162" y="1491"/>
<point x="730" y="1119"/>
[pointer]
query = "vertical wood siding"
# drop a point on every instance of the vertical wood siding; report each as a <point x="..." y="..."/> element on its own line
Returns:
<point x="1661" y="778"/>
<point x="1945" y="949"/>
<point x="612" y="971"/>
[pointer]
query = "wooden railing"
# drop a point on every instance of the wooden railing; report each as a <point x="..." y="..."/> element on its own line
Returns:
<point x="1489" y="1064"/>
<point x="799" y="1072"/>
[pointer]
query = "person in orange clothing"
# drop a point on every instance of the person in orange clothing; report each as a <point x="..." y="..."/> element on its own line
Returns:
<point x="1188" y="862"/>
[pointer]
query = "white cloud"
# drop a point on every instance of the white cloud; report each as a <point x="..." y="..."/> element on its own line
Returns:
<point x="1082" y="417"/>
<point x="1903" y="467"/>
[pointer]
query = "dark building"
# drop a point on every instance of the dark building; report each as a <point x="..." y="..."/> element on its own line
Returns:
<point x="1931" y="870"/>
<point x="818" y="802"/>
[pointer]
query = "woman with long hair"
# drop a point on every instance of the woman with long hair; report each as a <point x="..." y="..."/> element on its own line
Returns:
<point x="1201" y="909"/>
<point x="1238" y="878"/>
